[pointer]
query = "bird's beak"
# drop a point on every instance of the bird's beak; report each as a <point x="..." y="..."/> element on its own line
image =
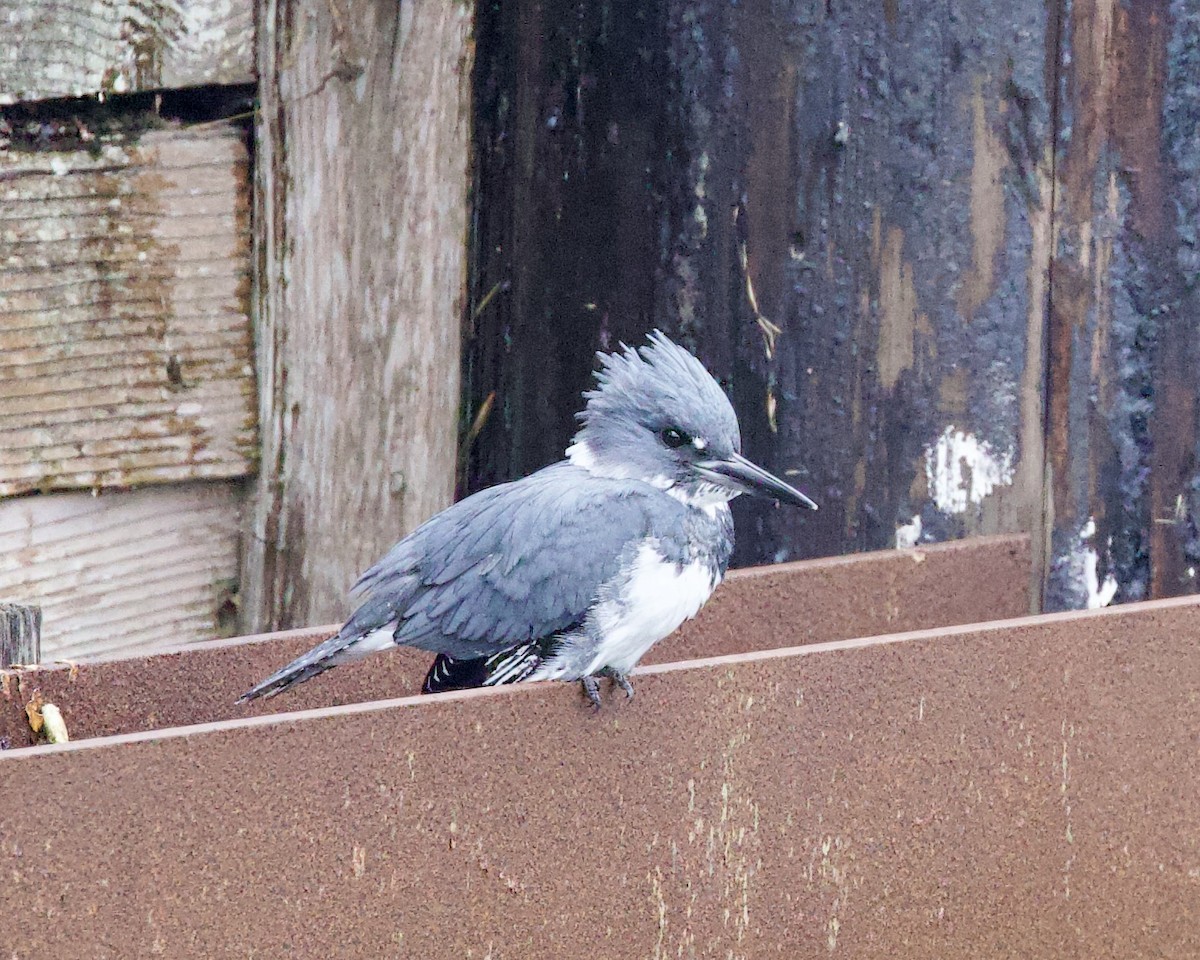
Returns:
<point x="740" y="475"/>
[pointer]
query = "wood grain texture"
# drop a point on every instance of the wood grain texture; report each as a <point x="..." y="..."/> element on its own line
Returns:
<point x="20" y="634"/>
<point x="1124" y="392"/>
<point x="122" y="572"/>
<point x="126" y="354"/>
<point x="362" y="212"/>
<point x="874" y="180"/>
<point x="74" y="48"/>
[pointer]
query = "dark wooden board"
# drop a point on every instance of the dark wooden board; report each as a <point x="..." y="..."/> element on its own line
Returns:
<point x="1123" y="383"/>
<point x="972" y="224"/>
<point x="874" y="180"/>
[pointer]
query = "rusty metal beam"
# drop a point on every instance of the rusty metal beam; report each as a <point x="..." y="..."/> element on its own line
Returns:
<point x="1020" y="788"/>
<point x="807" y="602"/>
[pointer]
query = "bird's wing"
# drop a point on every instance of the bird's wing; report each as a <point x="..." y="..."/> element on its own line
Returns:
<point x="511" y="564"/>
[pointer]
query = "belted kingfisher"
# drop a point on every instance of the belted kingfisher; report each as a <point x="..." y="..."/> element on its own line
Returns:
<point x="575" y="571"/>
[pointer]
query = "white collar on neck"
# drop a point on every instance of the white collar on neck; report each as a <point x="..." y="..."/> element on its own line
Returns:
<point x="708" y="497"/>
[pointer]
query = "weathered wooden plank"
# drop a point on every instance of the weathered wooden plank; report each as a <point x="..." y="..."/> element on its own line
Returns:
<point x="126" y="353"/>
<point x="362" y="212"/>
<point x="20" y="634"/>
<point x="1124" y="391"/>
<point x="73" y="48"/>
<point x="126" y="571"/>
<point x="872" y="179"/>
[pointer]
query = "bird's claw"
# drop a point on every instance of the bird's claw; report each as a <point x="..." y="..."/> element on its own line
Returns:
<point x="591" y="690"/>
<point x="591" y="685"/>
<point x="619" y="680"/>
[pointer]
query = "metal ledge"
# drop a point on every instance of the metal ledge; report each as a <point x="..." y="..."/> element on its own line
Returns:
<point x="1017" y="788"/>
<point x="807" y="602"/>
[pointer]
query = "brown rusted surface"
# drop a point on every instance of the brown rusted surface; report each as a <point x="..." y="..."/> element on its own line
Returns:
<point x="756" y="609"/>
<point x="195" y="684"/>
<point x="1122" y="394"/>
<point x="1017" y="789"/>
<point x="813" y="601"/>
<point x="844" y="208"/>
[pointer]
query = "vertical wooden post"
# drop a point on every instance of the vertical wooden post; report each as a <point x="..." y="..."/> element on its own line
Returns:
<point x="20" y="634"/>
<point x="843" y="208"/>
<point x="361" y="230"/>
<point x="1123" y="399"/>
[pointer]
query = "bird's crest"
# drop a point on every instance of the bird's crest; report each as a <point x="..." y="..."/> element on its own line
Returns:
<point x="656" y="375"/>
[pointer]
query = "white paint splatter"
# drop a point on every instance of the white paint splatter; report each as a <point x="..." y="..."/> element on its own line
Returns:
<point x="962" y="470"/>
<point x="908" y="535"/>
<point x="1098" y="594"/>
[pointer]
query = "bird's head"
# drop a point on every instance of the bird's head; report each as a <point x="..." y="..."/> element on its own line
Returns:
<point x="658" y="416"/>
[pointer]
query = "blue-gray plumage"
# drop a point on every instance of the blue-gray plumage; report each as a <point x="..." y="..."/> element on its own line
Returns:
<point x="571" y="573"/>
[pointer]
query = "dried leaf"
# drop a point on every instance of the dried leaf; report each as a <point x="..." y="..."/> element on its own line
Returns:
<point x="33" y="710"/>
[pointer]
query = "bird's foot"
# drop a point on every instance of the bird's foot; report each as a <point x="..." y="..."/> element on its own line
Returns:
<point x="591" y="685"/>
<point x="619" y="679"/>
<point x="591" y="690"/>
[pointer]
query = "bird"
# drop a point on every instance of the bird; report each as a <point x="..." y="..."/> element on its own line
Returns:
<point x="573" y="572"/>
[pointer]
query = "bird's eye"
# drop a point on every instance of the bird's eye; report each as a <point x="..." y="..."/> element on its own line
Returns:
<point x="674" y="437"/>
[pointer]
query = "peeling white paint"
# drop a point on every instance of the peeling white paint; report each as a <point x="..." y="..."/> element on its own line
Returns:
<point x="962" y="470"/>
<point x="1098" y="594"/>
<point x="908" y="535"/>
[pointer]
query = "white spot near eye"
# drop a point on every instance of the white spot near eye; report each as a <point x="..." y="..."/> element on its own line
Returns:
<point x="699" y="443"/>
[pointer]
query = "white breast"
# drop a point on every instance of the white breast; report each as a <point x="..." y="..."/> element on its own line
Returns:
<point x="657" y="597"/>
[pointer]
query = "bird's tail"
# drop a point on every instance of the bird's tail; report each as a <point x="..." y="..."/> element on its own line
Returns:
<point x="319" y="659"/>
<point x="508" y="666"/>
<point x="447" y="673"/>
